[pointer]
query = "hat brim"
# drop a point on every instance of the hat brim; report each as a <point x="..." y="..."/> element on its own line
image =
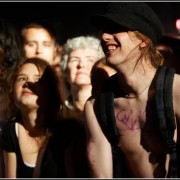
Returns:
<point x="108" y="21"/>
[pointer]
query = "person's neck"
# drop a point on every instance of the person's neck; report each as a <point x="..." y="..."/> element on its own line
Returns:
<point x="30" y="119"/>
<point x="80" y="96"/>
<point x="136" y="81"/>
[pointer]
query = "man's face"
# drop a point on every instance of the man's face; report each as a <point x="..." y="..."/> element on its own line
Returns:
<point x="39" y="43"/>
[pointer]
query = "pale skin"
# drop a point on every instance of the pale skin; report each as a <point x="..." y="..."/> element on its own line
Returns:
<point x="26" y="101"/>
<point x="79" y="68"/>
<point x="139" y="138"/>
<point x="39" y="43"/>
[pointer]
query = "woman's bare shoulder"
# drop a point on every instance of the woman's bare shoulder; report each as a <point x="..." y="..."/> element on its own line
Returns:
<point x="176" y="83"/>
<point x="176" y="94"/>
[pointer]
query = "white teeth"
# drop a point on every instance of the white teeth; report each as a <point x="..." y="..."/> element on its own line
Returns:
<point x="111" y="48"/>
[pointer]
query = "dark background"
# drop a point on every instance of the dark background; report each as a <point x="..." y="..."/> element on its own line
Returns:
<point x="72" y="18"/>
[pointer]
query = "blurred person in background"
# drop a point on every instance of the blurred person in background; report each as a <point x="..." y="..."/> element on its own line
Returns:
<point x="169" y="47"/>
<point x="40" y="39"/>
<point x="10" y="55"/>
<point x="79" y="56"/>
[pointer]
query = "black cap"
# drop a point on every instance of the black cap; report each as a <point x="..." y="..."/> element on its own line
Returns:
<point x="132" y="15"/>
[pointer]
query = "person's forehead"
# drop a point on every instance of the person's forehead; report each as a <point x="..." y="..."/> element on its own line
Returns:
<point x="84" y="51"/>
<point x="39" y="32"/>
<point x="27" y="66"/>
<point x="112" y="27"/>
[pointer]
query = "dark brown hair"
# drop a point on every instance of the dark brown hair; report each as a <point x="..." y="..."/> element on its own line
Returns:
<point x="52" y="86"/>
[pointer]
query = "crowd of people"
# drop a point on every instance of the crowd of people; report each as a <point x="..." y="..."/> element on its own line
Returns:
<point x="89" y="108"/>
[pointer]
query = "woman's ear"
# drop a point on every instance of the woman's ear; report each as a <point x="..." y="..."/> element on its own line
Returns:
<point x="143" y="43"/>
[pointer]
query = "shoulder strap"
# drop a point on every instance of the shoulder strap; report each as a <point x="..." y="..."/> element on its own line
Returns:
<point x="165" y="113"/>
<point x="105" y="114"/>
<point x="112" y="129"/>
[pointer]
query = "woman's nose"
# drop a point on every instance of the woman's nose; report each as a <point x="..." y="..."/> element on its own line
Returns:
<point x="81" y="64"/>
<point x="28" y="84"/>
<point x="106" y="36"/>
